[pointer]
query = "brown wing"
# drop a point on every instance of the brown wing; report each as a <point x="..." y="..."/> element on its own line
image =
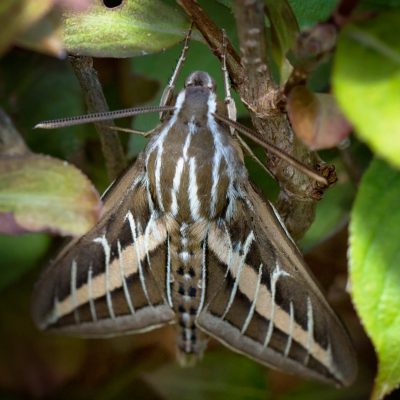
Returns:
<point x="112" y="279"/>
<point x="263" y="302"/>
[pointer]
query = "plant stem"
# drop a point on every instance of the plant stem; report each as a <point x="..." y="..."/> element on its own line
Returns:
<point x="96" y="102"/>
<point x="252" y="80"/>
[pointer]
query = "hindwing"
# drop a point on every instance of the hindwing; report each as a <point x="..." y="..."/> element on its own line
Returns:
<point x="112" y="279"/>
<point x="263" y="302"/>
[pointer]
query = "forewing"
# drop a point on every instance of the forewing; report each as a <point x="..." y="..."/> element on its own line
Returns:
<point x="111" y="280"/>
<point x="263" y="302"/>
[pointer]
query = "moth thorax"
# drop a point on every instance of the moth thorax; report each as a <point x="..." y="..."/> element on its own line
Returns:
<point x="186" y="165"/>
<point x="200" y="79"/>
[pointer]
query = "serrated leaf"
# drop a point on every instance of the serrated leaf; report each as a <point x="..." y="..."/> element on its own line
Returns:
<point x="41" y="193"/>
<point x="375" y="268"/>
<point x="366" y="82"/>
<point x="136" y="27"/>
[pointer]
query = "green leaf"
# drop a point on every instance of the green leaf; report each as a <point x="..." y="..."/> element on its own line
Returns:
<point x="375" y="268"/>
<point x="366" y="80"/>
<point x="19" y="254"/>
<point x="310" y="12"/>
<point x="284" y="28"/>
<point x="40" y="193"/>
<point x="42" y="88"/>
<point x="379" y="4"/>
<point x="134" y="28"/>
<point x="220" y="375"/>
<point x="333" y="210"/>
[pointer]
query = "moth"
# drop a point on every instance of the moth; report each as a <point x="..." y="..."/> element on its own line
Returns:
<point x="185" y="239"/>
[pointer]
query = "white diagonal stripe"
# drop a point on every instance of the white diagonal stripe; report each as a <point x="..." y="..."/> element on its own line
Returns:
<point x="107" y="253"/>
<point x="203" y="275"/>
<point x="123" y="280"/>
<point x="146" y="238"/>
<point x="194" y="201"/>
<point x="148" y="193"/>
<point x="176" y="185"/>
<point x="73" y="291"/>
<point x="158" y="176"/>
<point x="168" y="274"/>
<point x="310" y="329"/>
<point x="254" y="302"/>
<point x="276" y="274"/>
<point x="132" y="225"/>
<point x="90" y="295"/>
<point x="238" y="272"/>
<point x="215" y="181"/>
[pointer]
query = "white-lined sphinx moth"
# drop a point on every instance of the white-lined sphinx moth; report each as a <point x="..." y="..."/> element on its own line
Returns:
<point x="184" y="239"/>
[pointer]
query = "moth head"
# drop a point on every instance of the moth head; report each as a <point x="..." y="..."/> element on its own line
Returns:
<point x="200" y="79"/>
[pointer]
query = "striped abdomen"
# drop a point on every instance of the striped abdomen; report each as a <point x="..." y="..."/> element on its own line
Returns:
<point x="186" y="268"/>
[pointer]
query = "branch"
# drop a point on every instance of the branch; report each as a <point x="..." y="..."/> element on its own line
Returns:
<point x="96" y="102"/>
<point x="213" y="36"/>
<point x="252" y="80"/>
<point x="251" y="31"/>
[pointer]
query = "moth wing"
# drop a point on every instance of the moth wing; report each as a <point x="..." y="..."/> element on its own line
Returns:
<point x="112" y="279"/>
<point x="262" y="301"/>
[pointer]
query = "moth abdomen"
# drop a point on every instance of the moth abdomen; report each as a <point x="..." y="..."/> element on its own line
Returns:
<point x="186" y="286"/>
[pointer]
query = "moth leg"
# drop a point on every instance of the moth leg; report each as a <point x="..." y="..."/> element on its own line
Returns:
<point x="251" y="154"/>
<point x="134" y="131"/>
<point x="168" y="91"/>
<point x="229" y="102"/>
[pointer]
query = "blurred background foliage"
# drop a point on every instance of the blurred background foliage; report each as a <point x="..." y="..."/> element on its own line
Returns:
<point x="37" y="83"/>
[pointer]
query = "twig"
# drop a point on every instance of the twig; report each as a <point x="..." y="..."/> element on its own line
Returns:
<point x="213" y="36"/>
<point x="96" y="102"/>
<point x="250" y="22"/>
<point x="296" y="202"/>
